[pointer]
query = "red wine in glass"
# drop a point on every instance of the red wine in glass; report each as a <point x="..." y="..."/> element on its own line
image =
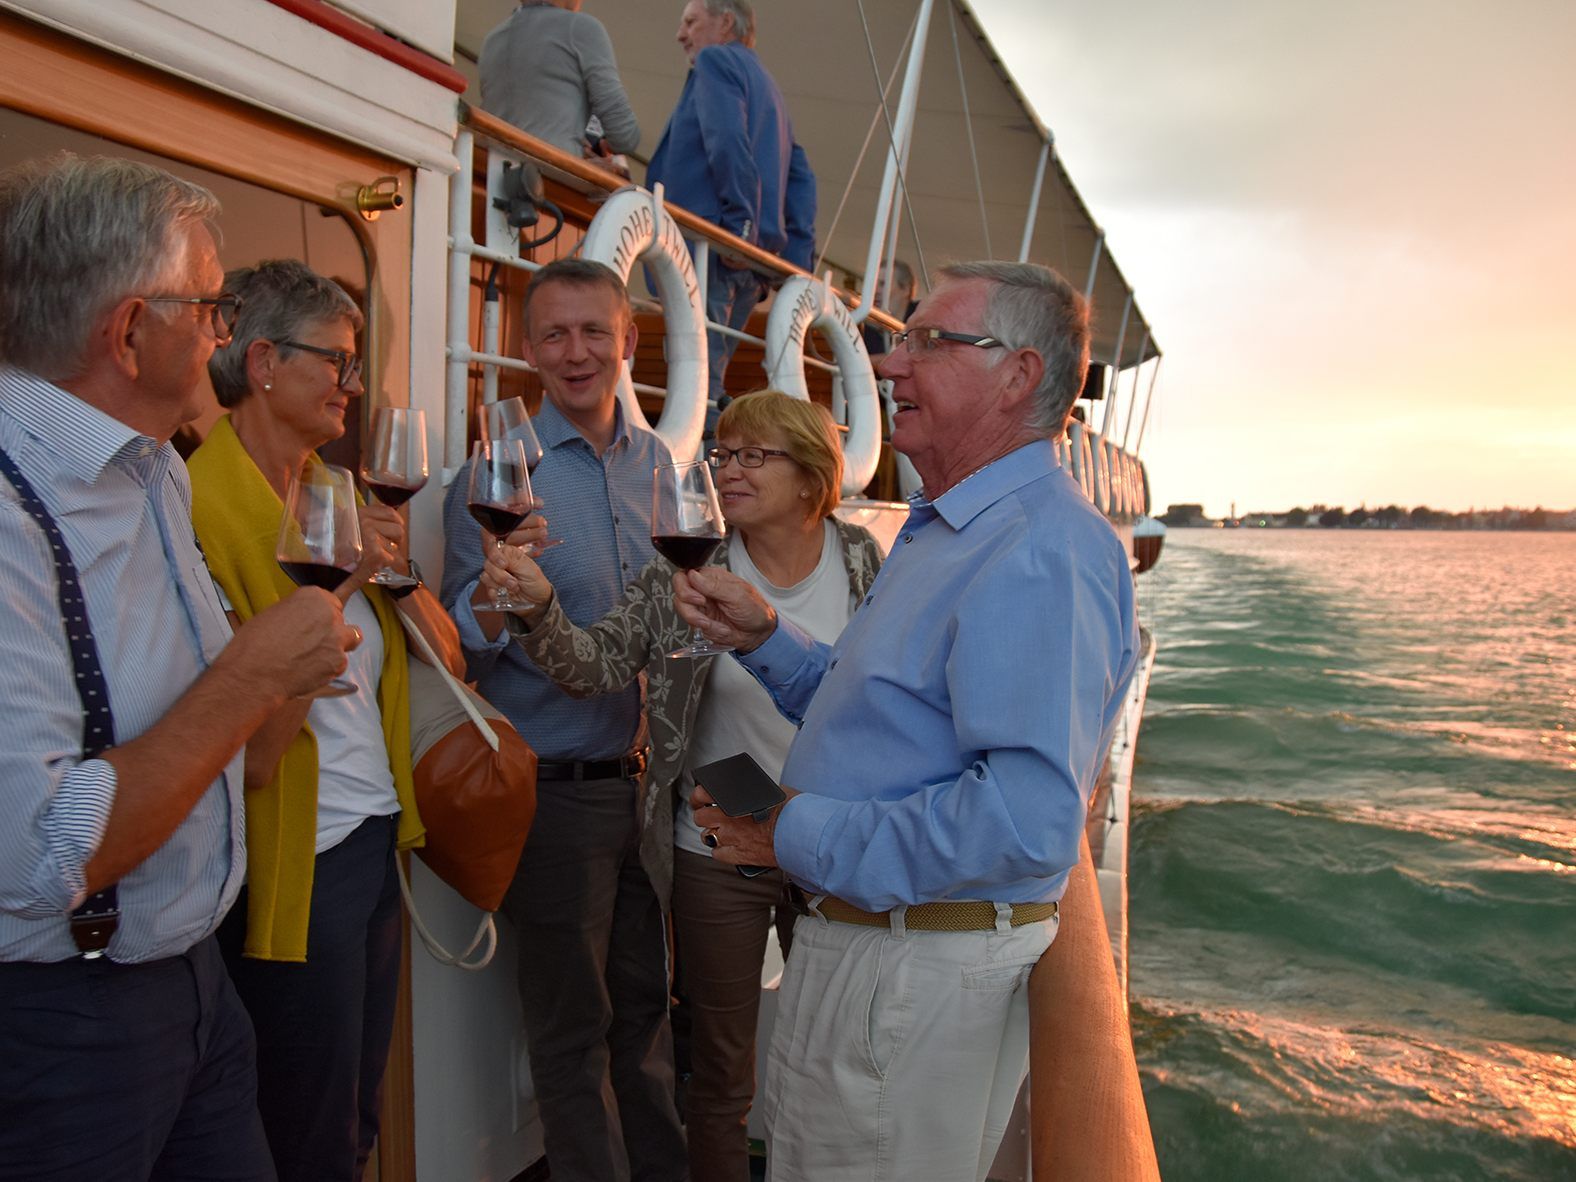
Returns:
<point x="499" y="498"/>
<point x="395" y="468"/>
<point x="686" y="551"/>
<point x="686" y="528"/>
<point x="319" y="542"/>
<point x="315" y="574"/>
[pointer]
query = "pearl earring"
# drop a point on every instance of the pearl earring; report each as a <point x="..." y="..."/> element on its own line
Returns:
<point x="268" y="385"/>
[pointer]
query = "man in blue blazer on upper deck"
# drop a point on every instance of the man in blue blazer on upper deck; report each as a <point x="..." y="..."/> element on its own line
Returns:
<point x="728" y="154"/>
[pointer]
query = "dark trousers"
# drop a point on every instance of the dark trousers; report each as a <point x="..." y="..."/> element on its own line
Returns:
<point x="722" y="921"/>
<point x="731" y="295"/>
<point x="128" y="1073"/>
<point x="594" y="988"/>
<point x="323" y="1027"/>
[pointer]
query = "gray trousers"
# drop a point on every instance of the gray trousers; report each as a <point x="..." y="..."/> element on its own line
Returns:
<point x="593" y="978"/>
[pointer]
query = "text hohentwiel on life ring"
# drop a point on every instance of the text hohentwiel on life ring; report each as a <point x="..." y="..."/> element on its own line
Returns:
<point x="632" y="227"/>
<point x="804" y="303"/>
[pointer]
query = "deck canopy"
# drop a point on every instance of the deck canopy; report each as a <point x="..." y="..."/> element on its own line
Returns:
<point x="818" y="53"/>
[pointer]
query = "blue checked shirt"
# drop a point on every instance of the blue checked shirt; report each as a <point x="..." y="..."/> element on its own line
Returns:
<point x="601" y="507"/>
<point x="123" y="503"/>
<point x="950" y="739"/>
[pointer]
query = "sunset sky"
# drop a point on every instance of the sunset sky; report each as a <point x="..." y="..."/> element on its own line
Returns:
<point x="1353" y="226"/>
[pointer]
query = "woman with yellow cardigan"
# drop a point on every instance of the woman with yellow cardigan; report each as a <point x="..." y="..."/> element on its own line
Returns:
<point x="314" y="941"/>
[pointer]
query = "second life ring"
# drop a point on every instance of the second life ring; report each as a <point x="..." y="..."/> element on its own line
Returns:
<point x="633" y="227"/>
<point x="804" y="303"/>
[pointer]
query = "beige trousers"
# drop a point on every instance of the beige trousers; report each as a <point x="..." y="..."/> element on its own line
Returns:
<point x="897" y="1055"/>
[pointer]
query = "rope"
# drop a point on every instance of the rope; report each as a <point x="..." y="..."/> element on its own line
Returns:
<point x="968" y="126"/>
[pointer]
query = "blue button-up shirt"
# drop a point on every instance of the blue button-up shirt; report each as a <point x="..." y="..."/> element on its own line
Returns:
<point x="951" y="738"/>
<point x="601" y="507"/>
<point x="123" y="504"/>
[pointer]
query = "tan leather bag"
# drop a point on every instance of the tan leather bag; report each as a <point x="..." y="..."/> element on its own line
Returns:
<point x="477" y="803"/>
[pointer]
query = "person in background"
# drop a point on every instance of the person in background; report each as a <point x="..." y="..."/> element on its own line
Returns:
<point x="779" y="469"/>
<point x="900" y="300"/>
<point x="593" y="968"/>
<point x="124" y="1050"/>
<point x="549" y="70"/>
<point x="728" y="154"/>
<point x="939" y="782"/>
<point x="314" y="942"/>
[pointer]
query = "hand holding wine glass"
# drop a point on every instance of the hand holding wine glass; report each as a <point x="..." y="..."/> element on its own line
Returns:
<point x="499" y="498"/>
<point x="686" y="528"/>
<point x="507" y="419"/>
<point x="395" y="468"/>
<point x="319" y="542"/>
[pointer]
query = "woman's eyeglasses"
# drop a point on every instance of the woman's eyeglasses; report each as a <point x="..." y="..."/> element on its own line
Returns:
<point x="349" y="364"/>
<point x="748" y="457"/>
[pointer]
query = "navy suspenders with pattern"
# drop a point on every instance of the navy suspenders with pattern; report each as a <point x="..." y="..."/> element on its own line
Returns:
<point x="93" y="923"/>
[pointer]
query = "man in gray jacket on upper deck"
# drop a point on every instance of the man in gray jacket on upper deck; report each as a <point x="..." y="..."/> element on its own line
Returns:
<point x="728" y="154"/>
<point x="549" y="70"/>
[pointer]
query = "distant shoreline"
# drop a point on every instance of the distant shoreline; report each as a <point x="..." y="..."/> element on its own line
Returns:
<point x="1391" y="517"/>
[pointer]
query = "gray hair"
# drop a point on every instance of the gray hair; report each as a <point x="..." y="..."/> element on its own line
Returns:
<point x="1032" y="307"/>
<point x="281" y="300"/>
<point x="77" y="236"/>
<point x="743" y="15"/>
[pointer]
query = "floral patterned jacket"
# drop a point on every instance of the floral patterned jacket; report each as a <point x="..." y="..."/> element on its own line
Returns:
<point x="634" y="637"/>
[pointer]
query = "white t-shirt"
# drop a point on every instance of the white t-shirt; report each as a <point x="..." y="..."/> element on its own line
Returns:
<point x="735" y="713"/>
<point x="353" y="777"/>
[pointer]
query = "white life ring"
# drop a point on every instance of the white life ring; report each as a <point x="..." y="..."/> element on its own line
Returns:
<point x="632" y="227"/>
<point x="803" y="303"/>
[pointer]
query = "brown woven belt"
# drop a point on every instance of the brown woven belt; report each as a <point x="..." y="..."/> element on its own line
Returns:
<point x="936" y="917"/>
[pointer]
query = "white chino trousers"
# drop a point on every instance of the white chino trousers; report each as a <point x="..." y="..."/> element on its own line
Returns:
<point x="897" y="1055"/>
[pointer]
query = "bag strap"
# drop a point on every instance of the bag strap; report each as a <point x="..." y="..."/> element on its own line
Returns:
<point x="93" y="923"/>
<point x="486" y="933"/>
<point x="487" y="929"/>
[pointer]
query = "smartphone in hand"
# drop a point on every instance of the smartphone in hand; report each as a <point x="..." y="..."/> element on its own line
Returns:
<point x="741" y="788"/>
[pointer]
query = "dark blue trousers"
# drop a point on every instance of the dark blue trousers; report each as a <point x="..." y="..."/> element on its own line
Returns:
<point x="128" y="1073"/>
<point x="323" y="1027"/>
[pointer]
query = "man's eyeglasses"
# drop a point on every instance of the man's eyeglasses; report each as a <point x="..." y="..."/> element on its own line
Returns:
<point x="748" y="457"/>
<point x="349" y="364"/>
<point x="928" y="340"/>
<point x="224" y="309"/>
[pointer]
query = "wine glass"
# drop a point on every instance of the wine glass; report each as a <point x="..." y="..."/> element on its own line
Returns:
<point x="686" y="527"/>
<point x="319" y="534"/>
<point x="395" y="467"/>
<point x="507" y="419"/>
<point x="499" y="499"/>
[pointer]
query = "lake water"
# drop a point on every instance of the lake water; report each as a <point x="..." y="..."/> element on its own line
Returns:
<point x="1353" y="889"/>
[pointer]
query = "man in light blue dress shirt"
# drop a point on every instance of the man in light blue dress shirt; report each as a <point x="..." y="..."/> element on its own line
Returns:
<point x="131" y="1058"/>
<point x="948" y="745"/>
<point x="593" y="972"/>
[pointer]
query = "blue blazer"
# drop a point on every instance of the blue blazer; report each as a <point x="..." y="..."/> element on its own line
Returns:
<point x="728" y="154"/>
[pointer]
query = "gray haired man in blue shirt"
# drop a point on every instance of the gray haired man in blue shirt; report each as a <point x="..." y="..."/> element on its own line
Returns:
<point x="948" y="745"/>
<point x="124" y="1051"/>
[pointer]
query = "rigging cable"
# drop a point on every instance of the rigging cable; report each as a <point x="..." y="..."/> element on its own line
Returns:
<point x="968" y="126"/>
<point x="853" y="173"/>
<point x="902" y="179"/>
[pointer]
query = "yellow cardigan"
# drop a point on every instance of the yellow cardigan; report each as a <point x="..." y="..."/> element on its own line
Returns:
<point x="237" y="514"/>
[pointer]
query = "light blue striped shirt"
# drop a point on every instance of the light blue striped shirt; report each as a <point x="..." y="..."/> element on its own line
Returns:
<point x="123" y="504"/>
<point x="951" y="737"/>
<point x="601" y="507"/>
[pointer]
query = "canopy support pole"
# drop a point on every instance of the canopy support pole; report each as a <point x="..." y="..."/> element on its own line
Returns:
<point x="1133" y="403"/>
<point x="1148" y="398"/>
<point x="1094" y="264"/>
<point x="1034" y="201"/>
<point x="1116" y="369"/>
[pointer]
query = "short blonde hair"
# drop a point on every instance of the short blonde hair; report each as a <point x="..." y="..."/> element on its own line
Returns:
<point x="809" y="433"/>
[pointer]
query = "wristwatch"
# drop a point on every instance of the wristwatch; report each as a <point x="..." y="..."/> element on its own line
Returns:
<point x="401" y="592"/>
